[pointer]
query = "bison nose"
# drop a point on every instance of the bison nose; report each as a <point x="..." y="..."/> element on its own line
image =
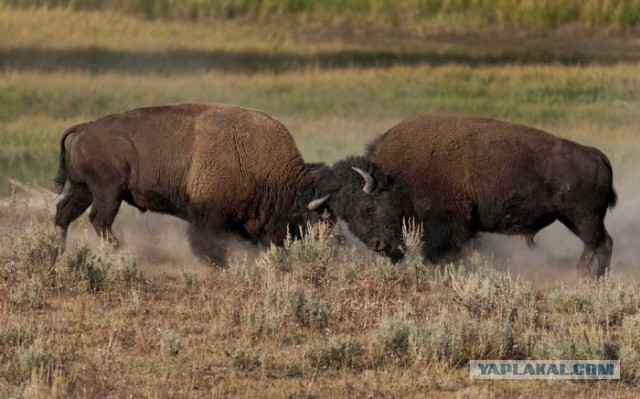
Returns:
<point x="379" y="245"/>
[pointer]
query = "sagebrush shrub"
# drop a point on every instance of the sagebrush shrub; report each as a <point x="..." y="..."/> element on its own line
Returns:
<point x="30" y="292"/>
<point x="582" y="341"/>
<point x="605" y="302"/>
<point x="336" y="352"/>
<point x="630" y="349"/>
<point x="486" y="292"/>
<point x="170" y="343"/>
<point x="30" y="359"/>
<point x="37" y="249"/>
<point x="394" y="340"/>
<point x="453" y="339"/>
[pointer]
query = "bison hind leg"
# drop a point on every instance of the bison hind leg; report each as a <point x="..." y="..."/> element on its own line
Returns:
<point x="597" y="243"/>
<point x="106" y="203"/>
<point x="529" y="231"/>
<point x="603" y="253"/>
<point x="69" y="208"/>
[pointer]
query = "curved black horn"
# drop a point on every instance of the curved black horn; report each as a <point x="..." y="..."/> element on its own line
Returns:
<point x="315" y="204"/>
<point x="369" y="182"/>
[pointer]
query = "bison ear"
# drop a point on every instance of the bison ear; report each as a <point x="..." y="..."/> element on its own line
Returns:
<point x="316" y="203"/>
<point x="369" y="181"/>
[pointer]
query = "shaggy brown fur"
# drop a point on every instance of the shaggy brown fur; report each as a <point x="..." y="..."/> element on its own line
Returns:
<point x="467" y="174"/>
<point x="222" y="168"/>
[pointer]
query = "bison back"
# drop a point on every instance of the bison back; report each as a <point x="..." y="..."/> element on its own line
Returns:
<point x="494" y="175"/>
<point x="230" y="164"/>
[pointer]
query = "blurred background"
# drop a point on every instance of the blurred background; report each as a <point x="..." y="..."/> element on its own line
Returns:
<point x="337" y="73"/>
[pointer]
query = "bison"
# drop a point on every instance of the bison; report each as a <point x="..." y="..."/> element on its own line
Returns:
<point x="464" y="175"/>
<point x="222" y="168"/>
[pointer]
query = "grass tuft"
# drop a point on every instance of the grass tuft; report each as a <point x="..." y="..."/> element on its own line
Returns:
<point x="170" y="343"/>
<point x="30" y="292"/>
<point x="188" y="277"/>
<point x="31" y="359"/>
<point x="607" y="302"/>
<point x="37" y="249"/>
<point x="336" y="352"/>
<point x="394" y="340"/>
<point x="630" y="349"/>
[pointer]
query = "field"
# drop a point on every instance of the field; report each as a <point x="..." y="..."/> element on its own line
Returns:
<point x="418" y="15"/>
<point x="316" y="319"/>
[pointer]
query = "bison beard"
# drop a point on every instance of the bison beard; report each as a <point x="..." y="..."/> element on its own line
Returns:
<point x="464" y="175"/>
<point x="368" y="201"/>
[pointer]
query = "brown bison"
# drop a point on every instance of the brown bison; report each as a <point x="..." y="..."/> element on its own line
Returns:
<point x="466" y="174"/>
<point x="224" y="169"/>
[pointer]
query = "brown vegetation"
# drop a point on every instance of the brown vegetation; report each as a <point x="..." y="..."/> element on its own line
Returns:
<point x="312" y="319"/>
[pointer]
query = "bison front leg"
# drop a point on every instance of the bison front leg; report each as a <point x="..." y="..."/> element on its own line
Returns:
<point x="208" y="244"/>
<point x="444" y="237"/>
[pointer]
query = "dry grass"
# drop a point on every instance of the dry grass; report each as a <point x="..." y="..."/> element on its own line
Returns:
<point x="311" y="319"/>
<point x="450" y="15"/>
<point x="335" y="89"/>
<point x="594" y="105"/>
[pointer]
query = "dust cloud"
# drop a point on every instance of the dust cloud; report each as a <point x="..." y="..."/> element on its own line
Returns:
<point x="161" y="246"/>
<point x="159" y="242"/>
<point x="557" y="251"/>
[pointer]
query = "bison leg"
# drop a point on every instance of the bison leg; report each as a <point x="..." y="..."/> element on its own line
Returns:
<point x="103" y="212"/>
<point x="584" y="263"/>
<point x="596" y="243"/>
<point x="444" y="237"/>
<point x="74" y="203"/>
<point x="603" y="253"/>
<point x="207" y="244"/>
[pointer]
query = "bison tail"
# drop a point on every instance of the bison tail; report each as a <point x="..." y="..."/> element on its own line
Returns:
<point x="61" y="177"/>
<point x="612" y="196"/>
<point x="612" y="199"/>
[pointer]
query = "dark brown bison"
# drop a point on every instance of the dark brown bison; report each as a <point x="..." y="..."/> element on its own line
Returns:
<point x="466" y="174"/>
<point x="224" y="169"/>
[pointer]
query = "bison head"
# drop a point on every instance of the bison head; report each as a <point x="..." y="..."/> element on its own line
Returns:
<point x="310" y="205"/>
<point x="357" y="192"/>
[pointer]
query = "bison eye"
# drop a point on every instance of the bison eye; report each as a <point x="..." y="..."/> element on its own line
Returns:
<point x="369" y="208"/>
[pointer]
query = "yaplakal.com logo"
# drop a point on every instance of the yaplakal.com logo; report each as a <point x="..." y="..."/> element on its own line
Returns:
<point x="544" y="369"/>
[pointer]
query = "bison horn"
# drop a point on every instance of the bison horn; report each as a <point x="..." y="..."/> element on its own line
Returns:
<point x="315" y="204"/>
<point x="369" y="182"/>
